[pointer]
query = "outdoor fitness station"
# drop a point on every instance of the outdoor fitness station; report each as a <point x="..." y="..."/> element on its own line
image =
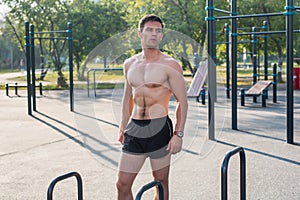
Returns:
<point x="211" y="20"/>
<point x="289" y="13"/>
<point x="30" y="36"/>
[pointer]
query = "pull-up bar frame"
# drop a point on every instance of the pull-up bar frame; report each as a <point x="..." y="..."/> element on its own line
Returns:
<point x="211" y="20"/>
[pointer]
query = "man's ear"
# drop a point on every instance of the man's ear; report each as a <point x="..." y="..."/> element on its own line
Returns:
<point x="140" y="34"/>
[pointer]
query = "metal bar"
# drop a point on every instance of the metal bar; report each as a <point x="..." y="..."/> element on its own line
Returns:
<point x="224" y="173"/>
<point x="27" y="51"/>
<point x="289" y="73"/>
<point x="274" y="83"/>
<point x="255" y="57"/>
<point x="222" y="11"/>
<point x="149" y="186"/>
<point x="51" y="38"/>
<point x="49" y="32"/>
<point x="94" y="71"/>
<point x="70" y="42"/>
<point x="267" y="32"/>
<point x="63" y="177"/>
<point x="32" y="55"/>
<point x="227" y="61"/>
<point x="266" y="64"/>
<point x="234" y="66"/>
<point x="248" y="16"/>
<point x="211" y="84"/>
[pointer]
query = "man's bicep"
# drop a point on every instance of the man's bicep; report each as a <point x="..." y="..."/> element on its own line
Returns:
<point x="178" y="86"/>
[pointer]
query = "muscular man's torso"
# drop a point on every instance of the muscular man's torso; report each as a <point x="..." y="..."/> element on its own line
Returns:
<point x="150" y="87"/>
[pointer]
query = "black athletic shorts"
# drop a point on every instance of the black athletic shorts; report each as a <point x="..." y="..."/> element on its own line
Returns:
<point x="148" y="137"/>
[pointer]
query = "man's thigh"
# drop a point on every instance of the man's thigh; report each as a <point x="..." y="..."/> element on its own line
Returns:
<point x="131" y="163"/>
<point x="160" y="163"/>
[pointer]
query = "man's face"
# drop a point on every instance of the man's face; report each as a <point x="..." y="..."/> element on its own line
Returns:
<point x="151" y="35"/>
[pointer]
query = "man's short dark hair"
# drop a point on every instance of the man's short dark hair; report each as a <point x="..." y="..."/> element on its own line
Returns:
<point x="150" y="18"/>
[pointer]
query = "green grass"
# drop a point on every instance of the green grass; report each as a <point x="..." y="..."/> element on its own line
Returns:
<point x="108" y="79"/>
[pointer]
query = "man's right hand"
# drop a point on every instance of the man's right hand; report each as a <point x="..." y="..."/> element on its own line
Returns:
<point x="121" y="136"/>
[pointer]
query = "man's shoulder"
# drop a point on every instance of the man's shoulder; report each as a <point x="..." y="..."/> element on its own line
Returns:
<point x="172" y="62"/>
<point x="128" y="62"/>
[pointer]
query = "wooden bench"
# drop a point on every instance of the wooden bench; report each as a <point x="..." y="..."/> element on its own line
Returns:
<point x="16" y="86"/>
<point x="196" y="88"/>
<point x="256" y="90"/>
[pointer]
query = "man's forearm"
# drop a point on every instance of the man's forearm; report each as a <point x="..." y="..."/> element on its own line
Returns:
<point x="181" y="114"/>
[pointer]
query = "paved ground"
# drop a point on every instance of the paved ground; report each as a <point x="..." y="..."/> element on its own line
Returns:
<point x="54" y="141"/>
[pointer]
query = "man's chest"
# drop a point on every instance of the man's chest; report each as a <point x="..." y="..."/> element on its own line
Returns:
<point x="147" y="74"/>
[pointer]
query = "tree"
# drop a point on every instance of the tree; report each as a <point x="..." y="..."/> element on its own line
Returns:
<point x="93" y="23"/>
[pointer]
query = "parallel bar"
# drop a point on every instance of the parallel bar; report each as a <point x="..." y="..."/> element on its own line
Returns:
<point x="63" y="177"/>
<point x="94" y="70"/>
<point x="248" y="16"/>
<point x="149" y="186"/>
<point x="224" y="173"/>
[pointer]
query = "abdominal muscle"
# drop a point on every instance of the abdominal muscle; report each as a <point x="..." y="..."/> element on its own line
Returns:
<point x="150" y="102"/>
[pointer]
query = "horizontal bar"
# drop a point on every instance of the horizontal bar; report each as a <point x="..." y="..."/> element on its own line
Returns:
<point x="266" y="32"/>
<point x="51" y="38"/>
<point x="251" y="15"/>
<point x="48" y="32"/>
<point x="222" y="11"/>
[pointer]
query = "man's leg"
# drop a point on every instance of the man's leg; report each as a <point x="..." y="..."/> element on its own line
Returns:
<point x="161" y="169"/>
<point x="129" y="167"/>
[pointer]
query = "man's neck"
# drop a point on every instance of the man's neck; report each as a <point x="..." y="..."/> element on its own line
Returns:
<point x="151" y="54"/>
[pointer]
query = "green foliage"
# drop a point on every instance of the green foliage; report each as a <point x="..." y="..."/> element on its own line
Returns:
<point x="95" y="21"/>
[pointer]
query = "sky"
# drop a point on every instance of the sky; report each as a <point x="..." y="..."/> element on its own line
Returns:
<point x="3" y="10"/>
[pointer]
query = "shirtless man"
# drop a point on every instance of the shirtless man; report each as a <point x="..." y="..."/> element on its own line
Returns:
<point x="151" y="77"/>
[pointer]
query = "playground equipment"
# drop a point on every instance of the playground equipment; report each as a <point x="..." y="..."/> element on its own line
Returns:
<point x="156" y="183"/>
<point x="94" y="70"/>
<point x="80" y="187"/>
<point x="233" y="16"/>
<point x="63" y="177"/>
<point x="196" y="88"/>
<point x="16" y="86"/>
<point x="30" y="61"/>
<point x="224" y="172"/>
<point x="149" y="186"/>
<point x="260" y="88"/>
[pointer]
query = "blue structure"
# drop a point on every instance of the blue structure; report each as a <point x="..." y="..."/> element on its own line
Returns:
<point x="233" y="16"/>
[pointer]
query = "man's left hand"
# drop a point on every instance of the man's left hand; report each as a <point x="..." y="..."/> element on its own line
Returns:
<point x="175" y="144"/>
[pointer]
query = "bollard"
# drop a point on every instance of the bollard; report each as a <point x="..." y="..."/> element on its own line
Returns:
<point x="41" y="89"/>
<point x="6" y="88"/>
<point x="202" y="93"/>
<point x="242" y="97"/>
<point x="264" y="97"/>
<point x="16" y="89"/>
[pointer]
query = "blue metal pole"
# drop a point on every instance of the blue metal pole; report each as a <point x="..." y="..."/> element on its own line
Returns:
<point x="70" y="40"/>
<point x="32" y="59"/>
<point x="290" y="9"/>
<point x="27" y="44"/>
<point x="234" y="65"/>
<point x="211" y="69"/>
<point x="227" y="61"/>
